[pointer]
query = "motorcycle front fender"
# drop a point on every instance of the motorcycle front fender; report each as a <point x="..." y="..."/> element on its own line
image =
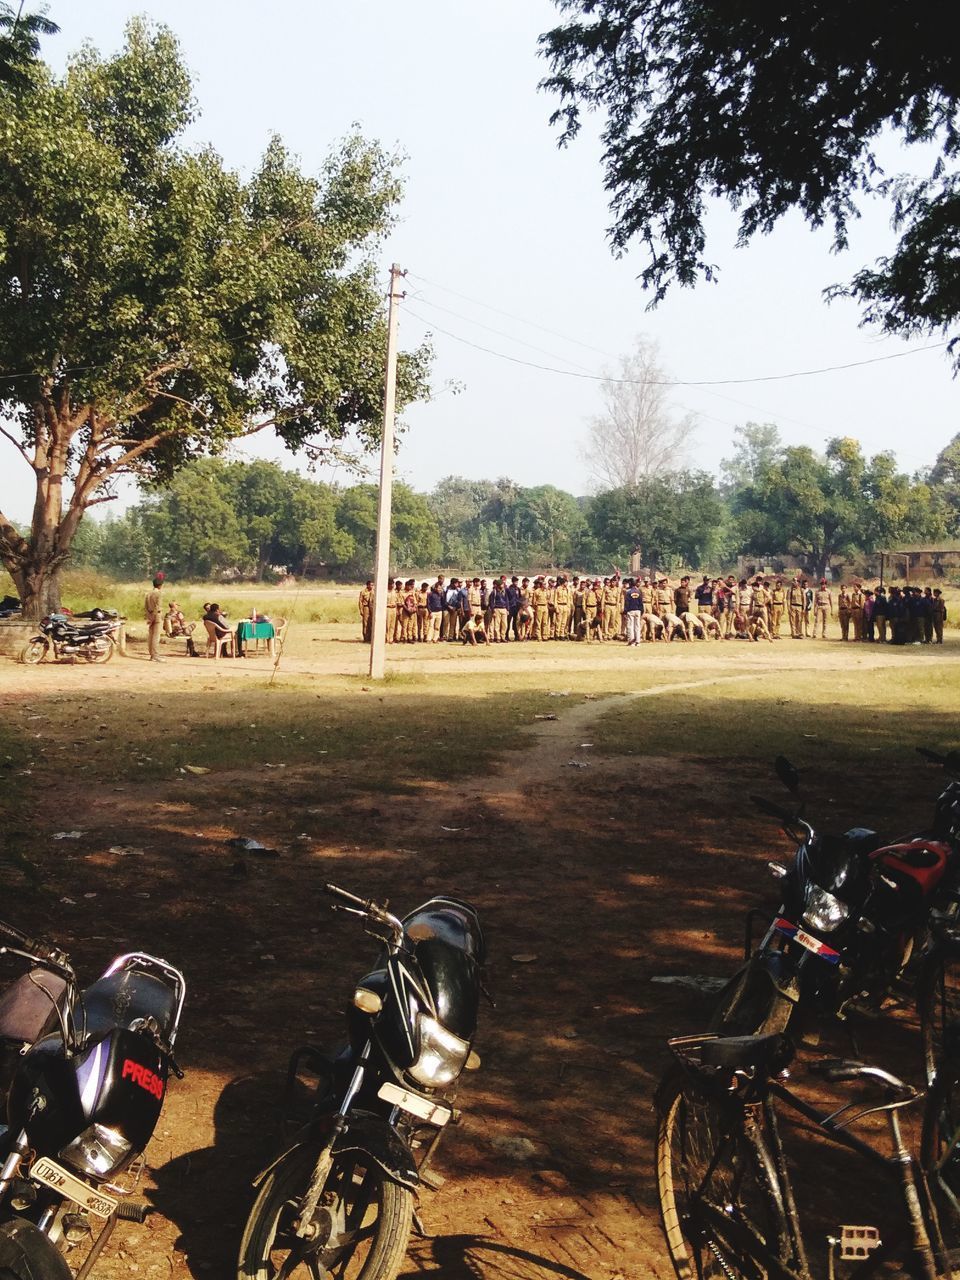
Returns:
<point x="370" y="1134"/>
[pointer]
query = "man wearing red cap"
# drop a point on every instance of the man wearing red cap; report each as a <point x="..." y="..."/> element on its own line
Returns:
<point x="152" y="611"/>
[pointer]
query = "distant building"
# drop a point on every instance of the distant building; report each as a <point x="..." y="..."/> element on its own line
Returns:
<point x="919" y="561"/>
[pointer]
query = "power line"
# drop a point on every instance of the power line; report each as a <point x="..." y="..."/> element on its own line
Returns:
<point x="676" y="382"/>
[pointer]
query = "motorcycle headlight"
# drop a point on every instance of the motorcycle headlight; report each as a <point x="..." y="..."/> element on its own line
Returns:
<point x="99" y="1151"/>
<point x="821" y="910"/>
<point x="442" y="1054"/>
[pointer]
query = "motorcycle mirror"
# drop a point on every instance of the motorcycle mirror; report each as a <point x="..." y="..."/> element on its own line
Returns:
<point x="787" y="773"/>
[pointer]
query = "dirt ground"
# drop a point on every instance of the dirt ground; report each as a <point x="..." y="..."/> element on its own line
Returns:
<point x="593" y="883"/>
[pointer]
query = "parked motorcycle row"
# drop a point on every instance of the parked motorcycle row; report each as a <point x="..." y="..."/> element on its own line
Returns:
<point x="84" y="1072"/>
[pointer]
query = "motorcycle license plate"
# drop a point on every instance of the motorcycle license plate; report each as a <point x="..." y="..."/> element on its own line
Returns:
<point x="49" y="1174"/>
<point x="810" y="943"/>
<point x="425" y="1108"/>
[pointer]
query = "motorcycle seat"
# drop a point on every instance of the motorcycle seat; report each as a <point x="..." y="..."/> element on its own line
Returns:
<point x="766" y="1054"/>
<point x="28" y="1007"/>
<point x="922" y="862"/>
<point x="116" y="1001"/>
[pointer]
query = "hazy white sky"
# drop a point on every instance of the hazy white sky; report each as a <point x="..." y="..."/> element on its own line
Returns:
<point x="504" y="239"/>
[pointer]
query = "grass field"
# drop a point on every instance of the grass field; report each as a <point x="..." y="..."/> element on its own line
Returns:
<point x="592" y="800"/>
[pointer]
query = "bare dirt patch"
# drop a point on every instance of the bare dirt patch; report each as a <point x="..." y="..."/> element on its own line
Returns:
<point x="610" y="871"/>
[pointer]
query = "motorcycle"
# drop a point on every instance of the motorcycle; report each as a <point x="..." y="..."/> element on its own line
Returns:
<point x="853" y="912"/>
<point x="340" y="1198"/>
<point x="60" y="636"/>
<point x="83" y="1074"/>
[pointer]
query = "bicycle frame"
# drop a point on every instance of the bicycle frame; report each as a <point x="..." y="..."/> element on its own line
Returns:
<point x="758" y="1126"/>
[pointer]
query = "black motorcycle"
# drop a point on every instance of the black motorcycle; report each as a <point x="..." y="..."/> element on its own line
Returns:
<point x="62" y="636"/>
<point x="83" y="1074"/>
<point x="340" y="1199"/>
<point x="854" y="910"/>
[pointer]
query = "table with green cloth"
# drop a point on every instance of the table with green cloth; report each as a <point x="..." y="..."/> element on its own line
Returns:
<point x="256" y="631"/>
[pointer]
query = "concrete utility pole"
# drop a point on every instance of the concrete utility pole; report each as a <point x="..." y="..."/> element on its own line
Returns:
<point x="381" y="581"/>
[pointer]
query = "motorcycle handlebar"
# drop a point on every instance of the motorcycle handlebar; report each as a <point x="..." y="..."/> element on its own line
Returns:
<point x="41" y="951"/>
<point x="366" y="907"/>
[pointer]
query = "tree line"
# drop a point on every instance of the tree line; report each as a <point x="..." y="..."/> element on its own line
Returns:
<point x="770" y="500"/>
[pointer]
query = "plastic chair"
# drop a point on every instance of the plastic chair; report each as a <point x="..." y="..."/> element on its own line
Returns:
<point x="279" y="634"/>
<point x="217" y="642"/>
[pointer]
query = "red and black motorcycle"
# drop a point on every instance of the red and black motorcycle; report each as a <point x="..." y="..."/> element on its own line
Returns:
<point x="83" y="1074"/>
<point x="854" y="911"/>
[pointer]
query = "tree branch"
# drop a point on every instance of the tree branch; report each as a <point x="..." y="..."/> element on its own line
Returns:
<point x="17" y="445"/>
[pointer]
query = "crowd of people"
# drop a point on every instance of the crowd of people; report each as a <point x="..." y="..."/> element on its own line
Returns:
<point x="477" y="610"/>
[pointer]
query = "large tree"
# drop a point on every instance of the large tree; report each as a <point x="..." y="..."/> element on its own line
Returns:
<point x="824" y="507"/>
<point x="773" y="105"/>
<point x="637" y="435"/>
<point x="20" y="34"/>
<point x="153" y="305"/>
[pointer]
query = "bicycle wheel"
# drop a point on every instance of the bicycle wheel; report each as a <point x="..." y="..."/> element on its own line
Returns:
<point x="938" y="1004"/>
<point x="940" y="1158"/>
<point x="718" y="1216"/>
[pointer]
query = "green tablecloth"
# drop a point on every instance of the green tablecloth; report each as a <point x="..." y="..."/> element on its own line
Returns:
<point x="254" y="631"/>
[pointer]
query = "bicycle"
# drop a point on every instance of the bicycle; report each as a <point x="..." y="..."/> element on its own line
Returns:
<point x="726" y="1198"/>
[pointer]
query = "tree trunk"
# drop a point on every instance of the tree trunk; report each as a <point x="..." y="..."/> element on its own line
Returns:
<point x="38" y="587"/>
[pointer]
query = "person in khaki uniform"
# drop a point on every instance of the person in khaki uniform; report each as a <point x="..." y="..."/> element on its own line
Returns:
<point x="843" y="612"/>
<point x="153" y="613"/>
<point x="592" y="606"/>
<point x="648" y="595"/>
<point x="365" y="605"/>
<point x="664" y="599"/>
<point x="423" y="613"/>
<point x="611" y="609"/>
<point x="760" y="603"/>
<point x="778" y="601"/>
<point x="731" y="606"/>
<point x="822" y="605"/>
<point x="578" y="624"/>
<point x="562" y="599"/>
<point x="540" y="602"/>
<point x="795" y="601"/>
<point x="856" y="611"/>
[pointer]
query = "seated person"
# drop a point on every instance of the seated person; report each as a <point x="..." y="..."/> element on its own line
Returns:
<point x="174" y="623"/>
<point x="472" y="631"/>
<point x="218" y="619"/>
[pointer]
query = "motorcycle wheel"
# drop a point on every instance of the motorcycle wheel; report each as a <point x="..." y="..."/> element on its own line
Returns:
<point x="99" y="651"/>
<point x="698" y="1157"/>
<point x="27" y="1254"/>
<point x="34" y="651"/>
<point x="371" y="1219"/>
<point x="938" y="1003"/>
<point x="750" y="1005"/>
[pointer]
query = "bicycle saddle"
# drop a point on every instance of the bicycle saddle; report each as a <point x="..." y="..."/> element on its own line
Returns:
<point x="767" y="1054"/>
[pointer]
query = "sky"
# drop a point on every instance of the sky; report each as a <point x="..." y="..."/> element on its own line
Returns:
<point x="503" y="236"/>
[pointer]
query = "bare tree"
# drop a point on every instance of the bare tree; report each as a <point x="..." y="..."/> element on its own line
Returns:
<point x="637" y="435"/>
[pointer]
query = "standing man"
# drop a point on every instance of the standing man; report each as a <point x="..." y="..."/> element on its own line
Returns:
<point x="822" y="604"/>
<point x="843" y="609"/>
<point x="365" y="605"/>
<point x="880" y="614"/>
<point x="778" y="601"/>
<point x="632" y="611"/>
<point x="562" y="599"/>
<point x="540" y="600"/>
<point x="152" y="608"/>
<point x="795" y="600"/>
<point x="856" y="611"/>
<point x="939" y="614"/>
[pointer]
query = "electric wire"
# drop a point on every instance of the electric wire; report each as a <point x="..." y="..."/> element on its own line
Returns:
<point x="675" y="382"/>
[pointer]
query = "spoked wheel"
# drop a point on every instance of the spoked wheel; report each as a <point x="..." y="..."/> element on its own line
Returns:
<point x="938" y="1003"/>
<point x="750" y="1005"/>
<point x="940" y="1156"/>
<point x="717" y="1217"/>
<point x="99" y="650"/>
<point x="27" y="1254"/>
<point x="34" y="651"/>
<point x="364" y="1221"/>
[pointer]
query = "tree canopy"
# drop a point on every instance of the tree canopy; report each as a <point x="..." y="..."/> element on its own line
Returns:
<point x="772" y="106"/>
<point x="155" y="306"/>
